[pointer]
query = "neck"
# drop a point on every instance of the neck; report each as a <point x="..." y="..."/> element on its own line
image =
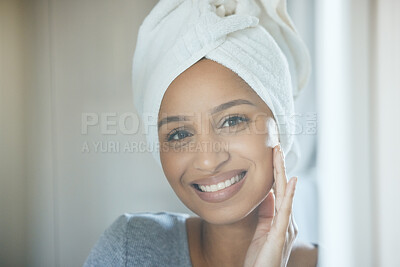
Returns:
<point x="226" y="245"/>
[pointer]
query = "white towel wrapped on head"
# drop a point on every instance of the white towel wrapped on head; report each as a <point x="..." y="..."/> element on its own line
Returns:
<point x="254" y="38"/>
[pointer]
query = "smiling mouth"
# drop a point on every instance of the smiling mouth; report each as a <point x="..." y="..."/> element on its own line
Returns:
<point x="222" y="185"/>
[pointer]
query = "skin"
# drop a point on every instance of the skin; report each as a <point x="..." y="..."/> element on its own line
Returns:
<point x="233" y="232"/>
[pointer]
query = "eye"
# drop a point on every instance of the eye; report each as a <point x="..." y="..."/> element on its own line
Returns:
<point x="234" y="120"/>
<point x="178" y="134"/>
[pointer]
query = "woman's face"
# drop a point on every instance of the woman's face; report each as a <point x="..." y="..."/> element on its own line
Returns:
<point x="216" y="142"/>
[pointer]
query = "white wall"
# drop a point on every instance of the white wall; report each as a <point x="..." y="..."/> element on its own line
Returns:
<point x="12" y="127"/>
<point x="386" y="131"/>
<point x="358" y="106"/>
<point x="61" y="59"/>
<point x="344" y="172"/>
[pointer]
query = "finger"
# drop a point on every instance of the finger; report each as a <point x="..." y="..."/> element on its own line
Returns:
<point x="295" y="227"/>
<point x="291" y="230"/>
<point x="279" y="175"/>
<point x="267" y="207"/>
<point x="277" y="237"/>
<point x="291" y="237"/>
<point x="280" y="225"/>
<point x="266" y="213"/>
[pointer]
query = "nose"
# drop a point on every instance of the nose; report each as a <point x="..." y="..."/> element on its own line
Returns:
<point x="210" y="154"/>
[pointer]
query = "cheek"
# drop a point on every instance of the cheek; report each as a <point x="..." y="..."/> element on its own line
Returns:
<point x="254" y="143"/>
<point x="174" y="165"/>
<point x="255" y="148"/>
<point x="171" y="167"/>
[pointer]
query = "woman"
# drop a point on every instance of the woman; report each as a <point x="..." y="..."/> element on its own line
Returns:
<point x="217" y="99"/>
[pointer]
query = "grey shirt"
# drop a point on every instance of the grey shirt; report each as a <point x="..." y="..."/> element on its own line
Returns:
<point x="143" y="239"/>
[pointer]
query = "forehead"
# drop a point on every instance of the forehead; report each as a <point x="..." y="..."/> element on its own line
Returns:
<point x="203" y="86"/>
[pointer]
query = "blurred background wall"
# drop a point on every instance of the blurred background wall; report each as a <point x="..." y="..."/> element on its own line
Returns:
<point x="12" y="138"/>
<point x="64" y="64"/>
<point x="357" y="84"/>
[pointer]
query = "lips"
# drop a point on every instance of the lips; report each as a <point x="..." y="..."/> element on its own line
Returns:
<point x="220" y="188"/>
<point x="204" y="187"/>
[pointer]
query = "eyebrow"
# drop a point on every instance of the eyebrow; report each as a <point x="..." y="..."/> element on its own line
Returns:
<point x="213" y="111"/>
<point x="231" y="104"/>
<point x="171" y="119"/>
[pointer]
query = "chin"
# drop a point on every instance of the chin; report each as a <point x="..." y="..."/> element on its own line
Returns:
<point x="226" y="217"/>
<point x="230" y="213"/>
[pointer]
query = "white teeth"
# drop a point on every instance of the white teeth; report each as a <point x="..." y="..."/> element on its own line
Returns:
<point x="221" y="185"/>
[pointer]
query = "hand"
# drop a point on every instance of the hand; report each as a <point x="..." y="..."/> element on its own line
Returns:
<point x="276" y="229"/>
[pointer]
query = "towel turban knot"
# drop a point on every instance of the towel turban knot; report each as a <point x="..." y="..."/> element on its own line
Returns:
<point x="254" y="38"/>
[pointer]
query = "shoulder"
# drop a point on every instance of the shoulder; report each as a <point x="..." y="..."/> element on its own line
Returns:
<point x="303" y="255"/>
<point x="143" y="229"/>
<point x="134" y="238"/>
<point x="155" y="221"/>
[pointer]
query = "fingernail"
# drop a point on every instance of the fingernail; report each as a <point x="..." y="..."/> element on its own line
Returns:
<point x="276" y="153"/>
<point x="281" y="151"/>
<point x="276" y="148"/>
